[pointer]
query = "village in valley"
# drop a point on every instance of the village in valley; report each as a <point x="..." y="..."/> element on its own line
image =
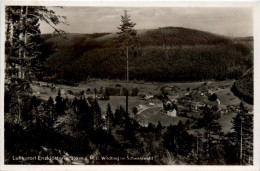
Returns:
<point x="167" y="103"/>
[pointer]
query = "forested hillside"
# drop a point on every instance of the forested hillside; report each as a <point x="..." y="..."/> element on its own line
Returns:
<point x="164" y="54"/>
<point x="244" y="87"/>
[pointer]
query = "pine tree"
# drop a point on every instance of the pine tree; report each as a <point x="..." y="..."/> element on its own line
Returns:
<point x="213" y="129"/>
<point x="50" y="108"/>
<point x="109" y="118"/>
<point x="177" y="140"/>
<point x="159" y="128"/>
<point x="243" y="126"/>
<point x="85" y="115"/>
<point x="98" y="121"/>
<point x="135" y="110"/>
<point x="127" y="38"/>
<point x="12" y="40"/>
<point x="23" y="43"/>
<point x="60" y="107"/>
<point x="118" y="117"/>
<point x="50" y="101"/>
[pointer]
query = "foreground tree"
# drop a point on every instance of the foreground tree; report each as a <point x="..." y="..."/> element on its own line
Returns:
<point x="23" y="54"/>
<point x="23" y="42"/>
<point x="177" y="140"/>
<point x="243" y="126"/>
<point x="126" y="39"/>
<point x="213" y="132"/>
<point x="109" y="118"/>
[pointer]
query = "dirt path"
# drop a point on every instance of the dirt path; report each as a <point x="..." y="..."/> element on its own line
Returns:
<point x="149" y="108"/>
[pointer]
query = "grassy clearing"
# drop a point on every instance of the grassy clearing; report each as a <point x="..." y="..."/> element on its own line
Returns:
<point x="194" y="114"/>
<point x="227" y="97"/>
<point x="46" y="92"/>
<point x="116" y="101"/>
<point x="226" y="122"/>
<point x="153" y="115"/>
<point x="144" y="87"/>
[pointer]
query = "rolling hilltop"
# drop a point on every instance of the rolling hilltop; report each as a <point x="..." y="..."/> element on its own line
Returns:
<point x="163" y="54"/>
<point x="167" y="36"/>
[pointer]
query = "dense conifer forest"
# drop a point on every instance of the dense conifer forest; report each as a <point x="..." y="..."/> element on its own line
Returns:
<point x="163" y="54"/>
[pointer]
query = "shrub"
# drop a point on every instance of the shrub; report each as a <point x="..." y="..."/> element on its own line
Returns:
<point x="125" y="91"/>
<point x="215" y="108"/>
<point x="101" y="90"/>
<point x="134" y="92"/>
<point x="112" y="91"/>
<point x="213" y="97"/>
<point x="135" y="110"/>
<point x="70" y="92"/>
<point x="89" y="98"/>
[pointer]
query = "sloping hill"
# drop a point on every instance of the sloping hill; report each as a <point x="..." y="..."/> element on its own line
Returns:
<point x="74" y="40"/>
<point x="170" y="36"/>
<point x="167" y="36"/>
<point x="244" y="87"/>
<point x="163" y="54"/>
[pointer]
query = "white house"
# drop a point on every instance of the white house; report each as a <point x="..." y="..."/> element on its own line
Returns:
<point x="62" y="92"/>
<point x="172" y="113"/>
<point x="151" y="104"/>
<point x="148" y="96"/>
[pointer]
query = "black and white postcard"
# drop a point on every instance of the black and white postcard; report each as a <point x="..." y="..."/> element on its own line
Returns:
<point x="123" y="84"/>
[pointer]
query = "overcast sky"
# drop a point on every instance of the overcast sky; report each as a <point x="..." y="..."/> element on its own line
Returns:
<point x="224" y="21"/>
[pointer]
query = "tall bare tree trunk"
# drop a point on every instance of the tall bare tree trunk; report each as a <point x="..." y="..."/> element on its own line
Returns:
<point x="8" y="24"/>
<point x="21" y="38"/>
<point x="8" y="29"/>
<point x="11" y="27"/>
<point x="11" y="32"/>
<point x="127" y="78"/>
<point x="19" y="109"/>
<point x="197" y="145"/>
<point x="241" y="142"/>
<point x="25" y="39"/>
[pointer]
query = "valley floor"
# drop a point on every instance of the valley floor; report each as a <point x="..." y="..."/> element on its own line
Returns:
<point x="148" y="105"/>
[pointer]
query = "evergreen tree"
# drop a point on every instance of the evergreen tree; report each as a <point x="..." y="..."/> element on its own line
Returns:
<point x="50" y="102"/>
<point x="98" y="121"/>
<point x="109" y="118"/>
<point x="23" y="42"/>
<point x="118" y="117"/>
<point x="159" y="127"/>
<point x="60" y="106"/>
<point x="135" y="110"/>
<point x="213" y="130"/>
<point x="85" y="116"/>
<point x="50" y="109"/>
<point x="107" y="94"/>
<point x="243" y="126"/>
<point x="126" y="39"/>
<point x="75" y="102"/>
<point x="177" y="140"/>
